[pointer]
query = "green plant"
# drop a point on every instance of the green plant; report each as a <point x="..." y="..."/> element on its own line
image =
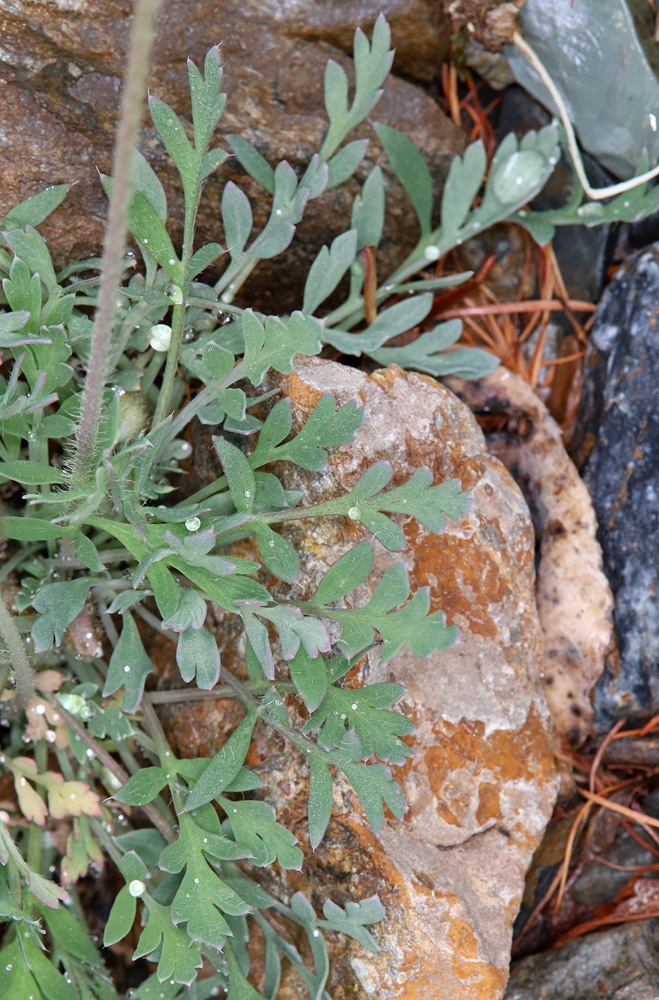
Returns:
<point x="91" y="422"/>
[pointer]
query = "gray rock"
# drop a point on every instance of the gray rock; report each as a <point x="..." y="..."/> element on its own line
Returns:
<point x="618" y="964"/>
<point x="617" y="437"/>
<point x="601" y="58"/>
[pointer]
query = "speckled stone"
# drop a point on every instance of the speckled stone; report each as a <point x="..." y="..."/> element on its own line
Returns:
<point x="615" y="964"/>
<point x="617" y="439"/>
<point x="482" y="784"/>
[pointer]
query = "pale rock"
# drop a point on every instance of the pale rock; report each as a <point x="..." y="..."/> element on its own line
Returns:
<point x="482" y="784"/>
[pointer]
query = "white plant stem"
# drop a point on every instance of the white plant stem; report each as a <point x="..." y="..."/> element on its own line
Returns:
<point x="595" y="194"/>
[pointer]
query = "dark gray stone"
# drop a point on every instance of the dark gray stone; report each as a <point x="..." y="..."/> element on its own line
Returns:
<point x="617" y="443"/>
<point x="617" y="964"/>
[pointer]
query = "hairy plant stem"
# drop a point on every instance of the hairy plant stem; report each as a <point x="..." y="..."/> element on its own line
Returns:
<point x="106" y="841"/>
<point x="115" y="240"/>
<point x="303" y="744"/>
<point x="178" y="313"/>
<point x="164" y="750"/>
<point x="35" y="835"/>
<point x="19" y="658"/>
<point x="108" y="761"/>
<point x="222" y="691"/>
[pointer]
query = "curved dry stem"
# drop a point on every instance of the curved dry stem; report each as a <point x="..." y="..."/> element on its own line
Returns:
<point x="595" y="194"/>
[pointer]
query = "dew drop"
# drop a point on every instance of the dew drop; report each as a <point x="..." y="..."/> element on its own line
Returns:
<point x="126" y="669"/>
<point x="431" y="252"/>
<point x="193" y="524"/>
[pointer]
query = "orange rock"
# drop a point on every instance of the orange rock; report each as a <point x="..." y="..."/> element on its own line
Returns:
<point x="482" y="784"/>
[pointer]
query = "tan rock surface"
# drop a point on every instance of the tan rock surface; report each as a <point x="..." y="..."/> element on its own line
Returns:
<point x="60" y="75"/>
<point x="574" y="598"/>
<point x="482" y="784"/>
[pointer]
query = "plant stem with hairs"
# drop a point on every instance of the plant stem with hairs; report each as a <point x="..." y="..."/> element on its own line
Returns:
<point x="115" y="240"/>
<point x="18" y="656"/>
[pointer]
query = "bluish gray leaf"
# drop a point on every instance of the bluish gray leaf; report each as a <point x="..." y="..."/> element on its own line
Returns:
<point x="30" y="247"/>
<point x="145" y="180"/>
<point x="236" y="218"/>
<point x="203" y="258"/>
<point x="273" y="240"/>
<point x="176" y="141"/>
<point x="34" y="210"/>
<point x="467" y="362"/>
<point x="327" y="270"/>
<point x="149" y="230"/>
<point x="347" y="573"/>
<point x="224" y="766"/>
<point x="320" y="799"/>
<point x="368" y="211"/>
<point x="344" y="163"/>
<point x="412" y="171"/>
<point x="142" y="787"/>
<point x="277" y="553"/>
<point x="129" y="666"/>
<point x="239" y="474"/>
<point x="398" y="319"/>
<point x="197" y="655"/>
<point x="58" y="604"/>
<point x="462" y="185"/>
<point x="253" y="162"/>
<point x="207" y="100"/>
<point x="310" y="678"/>
<point x="336" y="91"/>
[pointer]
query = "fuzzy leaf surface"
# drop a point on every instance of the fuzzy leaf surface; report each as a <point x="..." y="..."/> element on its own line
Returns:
<point x="129" y="666"/>
<point x="256" y="830"/>
<point x="223" y="767"/>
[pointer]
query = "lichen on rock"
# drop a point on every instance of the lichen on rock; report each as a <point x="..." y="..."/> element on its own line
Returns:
<point x="482" y="784"/>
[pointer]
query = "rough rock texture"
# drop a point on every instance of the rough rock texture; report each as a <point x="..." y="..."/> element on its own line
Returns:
<point x="482" y="784"/>
<point x="490" y="22"/>
<point x="617" y="964"/>
<point x="61" y="64"/>
<point x="573" y="595"/>
<point x="618" y="433"/>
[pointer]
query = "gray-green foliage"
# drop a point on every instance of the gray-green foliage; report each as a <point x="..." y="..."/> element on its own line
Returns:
<point x="124" y="544"/>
